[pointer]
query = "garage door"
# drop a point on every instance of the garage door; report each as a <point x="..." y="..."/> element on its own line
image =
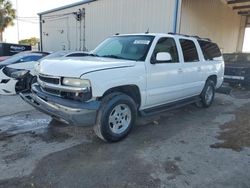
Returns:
<point x="56" y="34"/>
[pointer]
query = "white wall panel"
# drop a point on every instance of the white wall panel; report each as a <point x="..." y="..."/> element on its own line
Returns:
<point x="211" y="19"/>
<point x="107" y="17"/>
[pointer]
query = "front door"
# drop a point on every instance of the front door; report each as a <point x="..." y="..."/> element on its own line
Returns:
<point x="164" y="78"/>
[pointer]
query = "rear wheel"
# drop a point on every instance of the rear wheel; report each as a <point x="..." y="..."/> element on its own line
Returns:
<point x="116" y="117"/>
<point x="207" y="95"/>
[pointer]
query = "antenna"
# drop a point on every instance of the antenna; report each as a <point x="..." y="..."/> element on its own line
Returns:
<point x="147" y="32"/>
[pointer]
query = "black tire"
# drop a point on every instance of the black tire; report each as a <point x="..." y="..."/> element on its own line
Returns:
<point x="110" y="106"/>
<point x="207" y="98"/>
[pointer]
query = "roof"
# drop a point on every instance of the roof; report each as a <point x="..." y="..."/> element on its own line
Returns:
<point x="66" y="6"/>
<point x="242" y="7"/>
<point x="165" y="35"/>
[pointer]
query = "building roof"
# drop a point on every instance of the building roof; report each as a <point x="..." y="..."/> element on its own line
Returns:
<point x="242" y="7"/>
<point x="66" y="6"/>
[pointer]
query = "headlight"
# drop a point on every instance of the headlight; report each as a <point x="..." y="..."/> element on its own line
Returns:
<point x="73" y="82"/>
<point x="14" y="73"/>
<point x="18" y="74"/>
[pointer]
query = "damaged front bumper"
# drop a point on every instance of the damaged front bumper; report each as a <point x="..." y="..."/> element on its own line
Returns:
<point x="70" y="111"/>
<point x="7" y="84"/>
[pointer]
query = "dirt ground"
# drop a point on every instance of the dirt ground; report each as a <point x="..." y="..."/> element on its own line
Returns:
<point x="188" y="147"/>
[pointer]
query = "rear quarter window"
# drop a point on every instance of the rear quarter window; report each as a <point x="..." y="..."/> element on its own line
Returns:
<point x="211" y="51"/>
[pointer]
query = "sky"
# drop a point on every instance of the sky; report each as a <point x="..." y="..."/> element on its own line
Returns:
<point x="28" y="19"/>
<point x="246" y="45"/>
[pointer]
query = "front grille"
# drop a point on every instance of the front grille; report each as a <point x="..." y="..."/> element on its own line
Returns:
<point x="51" y="91"/>
<point x="49" y="80"/>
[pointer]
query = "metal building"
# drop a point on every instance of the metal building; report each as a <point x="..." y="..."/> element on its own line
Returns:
<point x="85" y="24"/>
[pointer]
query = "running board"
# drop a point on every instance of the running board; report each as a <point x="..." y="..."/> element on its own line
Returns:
<point x="169" y="106"/>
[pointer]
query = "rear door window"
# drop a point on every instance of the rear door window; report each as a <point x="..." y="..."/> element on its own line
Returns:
<point x="189" y="50"/>
<point x="210" y="50"/>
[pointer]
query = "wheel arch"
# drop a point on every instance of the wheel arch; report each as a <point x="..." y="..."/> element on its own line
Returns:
<point x="213" y="78"/>
<point x="131" y="90"/>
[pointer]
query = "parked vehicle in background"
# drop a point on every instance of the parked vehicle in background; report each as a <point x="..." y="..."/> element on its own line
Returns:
<point x="237" y="68"/>
<point x="8" y="49"/>
<point x="18" y="73"/>
<point x="128" y="75"/>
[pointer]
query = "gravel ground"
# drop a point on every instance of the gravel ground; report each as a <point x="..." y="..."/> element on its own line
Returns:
<point x="188" y="147"/>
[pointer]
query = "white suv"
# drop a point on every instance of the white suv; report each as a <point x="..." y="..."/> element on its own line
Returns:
<point x="126" y="76"/>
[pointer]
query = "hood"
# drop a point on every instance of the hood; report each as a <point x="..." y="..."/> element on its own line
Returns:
<point x="77" y="66"/>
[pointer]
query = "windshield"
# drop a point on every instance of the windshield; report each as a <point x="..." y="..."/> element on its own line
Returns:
<point x="12" y="59"/>
<point x="22" y="57"/>
<point x="125" y="47"/>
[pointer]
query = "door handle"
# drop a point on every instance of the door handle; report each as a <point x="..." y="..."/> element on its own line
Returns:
<point x="180" y="70"/>
<point x="199" y="69"/>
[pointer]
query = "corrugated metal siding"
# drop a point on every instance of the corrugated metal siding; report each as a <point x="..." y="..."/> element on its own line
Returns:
<point x="211" y="19"/>
<point x="107" y="17"/>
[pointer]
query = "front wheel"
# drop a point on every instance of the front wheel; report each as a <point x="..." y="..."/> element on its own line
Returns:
<point x="207" y="95"/>
<point x="116" y="117"/>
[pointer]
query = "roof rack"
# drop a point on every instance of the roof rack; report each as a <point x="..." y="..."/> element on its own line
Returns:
<point x="194" y="36"/>
<point x="171" y="33"/>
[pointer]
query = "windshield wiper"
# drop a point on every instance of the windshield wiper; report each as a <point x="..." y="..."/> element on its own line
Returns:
<point x="93" y="55"/>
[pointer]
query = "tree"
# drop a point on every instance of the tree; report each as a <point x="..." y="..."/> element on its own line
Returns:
<point x="7" y="16"/>
<point x="31" y="41"/>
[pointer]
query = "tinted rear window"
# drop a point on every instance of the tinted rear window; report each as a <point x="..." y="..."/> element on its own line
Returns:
<point x="189" y="50"/>
<point x="210" y="50"/>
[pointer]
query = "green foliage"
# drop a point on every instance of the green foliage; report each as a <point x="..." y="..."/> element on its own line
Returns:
<point x="7" y="14"/>
<point x="31" y="41"/>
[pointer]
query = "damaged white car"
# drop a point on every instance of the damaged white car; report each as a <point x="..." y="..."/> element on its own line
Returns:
<point x="17" y="73"/>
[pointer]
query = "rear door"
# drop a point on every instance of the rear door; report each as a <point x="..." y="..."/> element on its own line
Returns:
<point x="192" y="81"/>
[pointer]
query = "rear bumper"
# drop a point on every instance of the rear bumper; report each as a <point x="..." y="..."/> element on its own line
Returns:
<point x="229" y="77"/>
<point x="73" y="112"/>
<point x="236" y="79"/>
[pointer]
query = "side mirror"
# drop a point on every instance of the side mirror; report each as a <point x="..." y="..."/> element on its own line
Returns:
<point x="163" y="57"/>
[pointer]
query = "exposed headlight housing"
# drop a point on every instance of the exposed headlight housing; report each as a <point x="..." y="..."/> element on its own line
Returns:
<point x="19" y="74"/>
<point x="75" y="82"/>
<point x="15" y="73"/>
